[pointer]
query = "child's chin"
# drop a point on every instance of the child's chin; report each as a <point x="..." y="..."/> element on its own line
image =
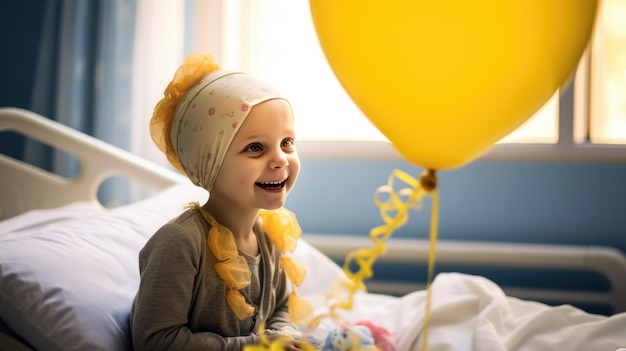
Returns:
<point x="274" y="206"/>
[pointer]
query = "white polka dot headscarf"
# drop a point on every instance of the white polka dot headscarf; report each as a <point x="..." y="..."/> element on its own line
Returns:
<point x="208" y="117"/>
<point x="202" y="110"/>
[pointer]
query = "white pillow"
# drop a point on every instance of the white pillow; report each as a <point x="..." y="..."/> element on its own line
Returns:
<point x="39" y="219"/>
<point x="70" y="286"/>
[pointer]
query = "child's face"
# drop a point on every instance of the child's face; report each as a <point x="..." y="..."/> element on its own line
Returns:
<point x="261" y="164"/>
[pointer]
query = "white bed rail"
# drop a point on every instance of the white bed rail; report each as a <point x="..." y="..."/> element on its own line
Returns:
<point x="609" y="262"/>
<point x="25" y="187"/>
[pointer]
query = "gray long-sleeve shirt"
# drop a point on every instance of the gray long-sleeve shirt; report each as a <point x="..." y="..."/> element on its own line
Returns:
<point x="181" y="301"/>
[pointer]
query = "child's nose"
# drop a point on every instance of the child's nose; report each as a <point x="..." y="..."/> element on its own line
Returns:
<point x="279" y="160"/>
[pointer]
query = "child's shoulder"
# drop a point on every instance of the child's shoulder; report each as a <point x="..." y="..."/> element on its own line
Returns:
<point x="182" y="238"/>
<point x="189" y="226"/>
<point x="190" y="218"/>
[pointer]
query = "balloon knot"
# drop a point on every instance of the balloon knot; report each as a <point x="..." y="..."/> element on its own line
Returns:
<point x="428" y="180"/>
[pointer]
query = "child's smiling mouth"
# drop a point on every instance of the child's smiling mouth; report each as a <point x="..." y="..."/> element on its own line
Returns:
<point x="271" y="185"/>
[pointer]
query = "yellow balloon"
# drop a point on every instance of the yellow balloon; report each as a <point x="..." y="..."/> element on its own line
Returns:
<point x="445" y="80"/>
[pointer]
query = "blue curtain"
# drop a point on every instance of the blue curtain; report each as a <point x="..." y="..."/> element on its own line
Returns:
<point x="83" y="79"/>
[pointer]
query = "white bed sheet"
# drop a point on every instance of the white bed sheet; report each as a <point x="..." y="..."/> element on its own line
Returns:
<point x="471" y="313"/>
<point x="80" y="300"/>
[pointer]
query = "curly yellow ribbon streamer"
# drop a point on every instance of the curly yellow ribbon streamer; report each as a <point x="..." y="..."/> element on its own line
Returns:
<point x="394" y="213"/>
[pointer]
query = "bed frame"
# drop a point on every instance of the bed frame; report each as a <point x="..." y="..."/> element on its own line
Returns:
<point x="609" y="262"/>
<point x="25" y="187"/>
<point x="31" y="187"/>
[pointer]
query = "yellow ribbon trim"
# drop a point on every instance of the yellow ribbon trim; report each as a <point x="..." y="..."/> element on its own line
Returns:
<point x="276" y="345"/>
<point x="282" y="227"/>
<point x="232" y="268"/>
<point x="293" y="269"/>
<point x="196" y="66"/>
<point x="284" y="231"/>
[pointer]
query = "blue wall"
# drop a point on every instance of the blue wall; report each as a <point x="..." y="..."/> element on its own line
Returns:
<point x="573" y="203"/>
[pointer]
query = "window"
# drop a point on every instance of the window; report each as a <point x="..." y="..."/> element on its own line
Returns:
<point x="275" y="39"/>
<point x="608" y="76"/>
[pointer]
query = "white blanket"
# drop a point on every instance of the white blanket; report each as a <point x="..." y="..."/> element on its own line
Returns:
<point x="472" y="313"/>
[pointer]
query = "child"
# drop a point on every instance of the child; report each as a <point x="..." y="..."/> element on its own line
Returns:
<point x="212" y="276"/>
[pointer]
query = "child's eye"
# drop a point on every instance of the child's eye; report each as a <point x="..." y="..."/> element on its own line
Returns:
<point x="253" y="148"/>
<point x="288" y="143"/>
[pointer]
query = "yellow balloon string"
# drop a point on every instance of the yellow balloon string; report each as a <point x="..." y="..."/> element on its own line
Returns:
<point x="431" y="264"/>
<point x="394" y="213"/>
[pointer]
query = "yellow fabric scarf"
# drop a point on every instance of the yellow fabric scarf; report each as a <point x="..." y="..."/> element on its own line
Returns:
<point x="284" y="231"/>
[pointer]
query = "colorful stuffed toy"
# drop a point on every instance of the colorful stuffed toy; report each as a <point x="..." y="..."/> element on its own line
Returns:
<point x="383" y="338"/>
<point x="363" y="335"/>
<point x="354" y="337"/>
